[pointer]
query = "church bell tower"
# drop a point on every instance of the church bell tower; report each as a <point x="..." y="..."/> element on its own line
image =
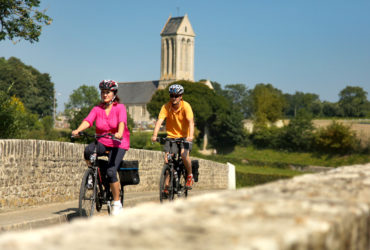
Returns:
<point x="177" y="51"/>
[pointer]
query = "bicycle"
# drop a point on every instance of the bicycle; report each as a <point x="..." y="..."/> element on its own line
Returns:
<point x="175" y="171"/>
<point x="95" y="189"/>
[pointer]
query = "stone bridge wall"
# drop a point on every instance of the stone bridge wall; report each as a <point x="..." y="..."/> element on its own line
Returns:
<point x="324" y="211"/>
<point x="34" y="172"/>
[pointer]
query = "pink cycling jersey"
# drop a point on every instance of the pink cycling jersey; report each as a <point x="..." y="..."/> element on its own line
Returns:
<point x="109" y="124"/>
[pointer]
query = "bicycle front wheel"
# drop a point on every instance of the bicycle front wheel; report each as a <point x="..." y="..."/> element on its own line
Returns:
<point x="183" y="191"/>
<point x="166" y="191"/>
<point x="87" y="198"/>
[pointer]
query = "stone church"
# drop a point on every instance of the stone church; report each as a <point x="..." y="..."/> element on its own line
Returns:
<point x="177" y="63"/>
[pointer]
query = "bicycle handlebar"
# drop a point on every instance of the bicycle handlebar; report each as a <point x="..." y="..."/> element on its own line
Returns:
<point x="96" y="136"/>
<point x="162" y="140"/>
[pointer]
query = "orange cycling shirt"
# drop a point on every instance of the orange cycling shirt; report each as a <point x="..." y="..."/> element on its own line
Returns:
<point x="177" y="121"/>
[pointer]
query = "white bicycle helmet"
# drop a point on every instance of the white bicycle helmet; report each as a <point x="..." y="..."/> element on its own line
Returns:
<point x="176" y="89"/>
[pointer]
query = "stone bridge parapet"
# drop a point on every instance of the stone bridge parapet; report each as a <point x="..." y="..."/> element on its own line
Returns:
<point x="324" y="211"/>
<point x="35" y="172"/>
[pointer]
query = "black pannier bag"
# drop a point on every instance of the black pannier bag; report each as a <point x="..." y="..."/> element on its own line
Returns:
<point x="129" y="173"/>
<point x="195" y="169"/>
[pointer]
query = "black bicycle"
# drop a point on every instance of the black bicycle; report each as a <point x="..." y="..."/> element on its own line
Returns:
<point x="173" y="173"/>
<point x="95" y="189"/>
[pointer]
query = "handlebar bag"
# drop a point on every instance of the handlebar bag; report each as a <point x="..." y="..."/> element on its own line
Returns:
<point x="129" y="173"/>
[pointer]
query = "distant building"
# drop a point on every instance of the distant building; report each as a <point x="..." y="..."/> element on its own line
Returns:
<point x="177" y="63"/>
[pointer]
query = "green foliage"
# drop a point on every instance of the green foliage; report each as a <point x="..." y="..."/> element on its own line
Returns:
<point x="15" y="121"/>
<point x="226" y="129"/>
<point x="34" y="89"/>
<point x="252" y="179"/>
<point x="336" y="139"/>
<point x="130" y="122"/>
<point x="266" y="137"/>
<point x="240" y="98"/>
<point x="21" y="19"/>
<point x="298" y="135"/>
<point x="353" y="102"/>
<point x="306" y="101"/>
<point x="76" y="120"/>
<point x="83" y="96"/>
<point x="268" y="103"/>
<point x="47" y="124"/>
<point x="331" y="109"/>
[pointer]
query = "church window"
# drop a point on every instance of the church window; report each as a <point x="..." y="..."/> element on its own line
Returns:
<point x="186" y="29"/>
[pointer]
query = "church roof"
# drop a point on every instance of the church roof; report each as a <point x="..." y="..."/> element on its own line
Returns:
<point x="172" y="26"/>
<point x="178" y="25"/>
<point x="136" y="92"/>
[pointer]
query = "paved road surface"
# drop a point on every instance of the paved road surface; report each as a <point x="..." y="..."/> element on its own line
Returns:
<point x="31" y="218"/>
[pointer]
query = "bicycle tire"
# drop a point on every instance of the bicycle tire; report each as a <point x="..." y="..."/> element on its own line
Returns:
<point x="87" y="196"/>
<point x="183" y="191"/>
<point x="122" y="194"/>
<point x="164" y="173"/>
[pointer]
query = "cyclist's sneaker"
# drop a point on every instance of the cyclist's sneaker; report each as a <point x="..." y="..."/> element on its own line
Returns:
<point x="189" y="182"/>
<point x="165" y="191"/>
<point x="116" y="208"/>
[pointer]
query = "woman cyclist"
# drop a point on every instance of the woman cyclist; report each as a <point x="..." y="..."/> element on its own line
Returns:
<point x="110" y="117"/>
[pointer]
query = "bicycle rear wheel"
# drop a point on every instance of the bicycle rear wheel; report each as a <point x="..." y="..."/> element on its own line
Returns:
<point x="166" y="193"/>
<point x="87" y="198"/>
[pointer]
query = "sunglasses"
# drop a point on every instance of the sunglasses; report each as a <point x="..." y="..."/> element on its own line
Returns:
<point x="174" y="96"/>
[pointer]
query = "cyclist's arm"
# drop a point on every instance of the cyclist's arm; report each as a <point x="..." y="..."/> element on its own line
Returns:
<point x="191" y="130"/>
<point x="121" y="128"/>
<point x="84" y="125"/>
<point x="156" y="128"/>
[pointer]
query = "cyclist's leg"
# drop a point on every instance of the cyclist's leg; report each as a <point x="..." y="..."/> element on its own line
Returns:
<point x="185" y="155"/>
<point x="168" y="149"/>
<point x="115" y="158"/>
<point x="89" y="150"/>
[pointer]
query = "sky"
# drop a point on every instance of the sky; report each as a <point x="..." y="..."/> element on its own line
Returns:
<point x="311" y="46"/>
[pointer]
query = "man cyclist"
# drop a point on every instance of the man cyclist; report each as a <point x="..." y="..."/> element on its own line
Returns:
<point x="179" y="124"/>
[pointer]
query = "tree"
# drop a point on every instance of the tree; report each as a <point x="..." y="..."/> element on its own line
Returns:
<point x="33" y="88"/>
<point x="331" y="109"/>
<point x="307" y="101"/>
<point x="15" y="121"/>
<point x="353" y="101"/>
<point x="298" y="135"/>
<point x="82" y="97"/>
<point x="268" y="103"/>
<point x="240" y="98"/>
<point x="21" y="19"/>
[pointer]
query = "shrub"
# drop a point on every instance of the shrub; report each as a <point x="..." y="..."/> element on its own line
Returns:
<point x="336" y="139"/>
<point x="266" y="137"/>
<point x="298" y="135"/>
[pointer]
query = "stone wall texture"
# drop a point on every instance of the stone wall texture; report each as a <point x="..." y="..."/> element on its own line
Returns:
<point x="34" y="172"/>
<point x="324" y="211"/>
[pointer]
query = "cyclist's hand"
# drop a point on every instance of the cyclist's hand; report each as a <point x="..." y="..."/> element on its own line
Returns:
<point x="75" y="133"/>
<point x="118" y="135"/>
<point x="189" y="139"/>
<point x="154" y="138"/>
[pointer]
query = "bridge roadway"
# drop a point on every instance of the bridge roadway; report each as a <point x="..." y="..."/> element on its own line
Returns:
<point x="38" y="217"/>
